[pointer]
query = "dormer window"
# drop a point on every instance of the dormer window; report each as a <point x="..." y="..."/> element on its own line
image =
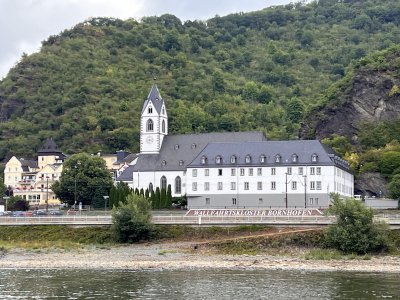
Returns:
<point x="176" y="147"/>
<point x="150" y="110"/>
<point x="164" y="163"/>
<point x="247" y="159"/>
<point x="262" y="158"/>
<point x="218" y="160"/>
<point x="278" y="158"/>
<point x="181" y="162"/>
<point x="193" y="146"/>
<point x="314" y="157"/>
<point x="295" y="158"/>
<point x="233" y="159"/>
<point x="203" y="160"/>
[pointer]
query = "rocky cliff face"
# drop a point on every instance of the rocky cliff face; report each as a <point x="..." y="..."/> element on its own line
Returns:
<point x="369" y="94"/>
<point x="368" y="100"/>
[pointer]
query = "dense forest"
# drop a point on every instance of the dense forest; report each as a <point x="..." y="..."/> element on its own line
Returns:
<point x="266" y="70"/>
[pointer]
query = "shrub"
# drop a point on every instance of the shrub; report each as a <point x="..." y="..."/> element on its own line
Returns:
<point x="355" y="230"/>
<point x="132" y="220"/>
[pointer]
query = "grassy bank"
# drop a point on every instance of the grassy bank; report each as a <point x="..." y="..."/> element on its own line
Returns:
<point x="72" y="237"/>
<point x="53" y="236"/>
<point x="237" y="240"/>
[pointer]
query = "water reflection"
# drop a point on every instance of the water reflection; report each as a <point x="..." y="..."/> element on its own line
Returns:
<point x="205" y="284"/>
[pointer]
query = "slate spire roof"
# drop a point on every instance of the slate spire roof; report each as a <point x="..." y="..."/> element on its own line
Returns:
<point x="155" y="98"/>
<point x="49" y="146"/>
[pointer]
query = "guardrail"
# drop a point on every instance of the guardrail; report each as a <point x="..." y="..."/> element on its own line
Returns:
<point x="186" y="220"/>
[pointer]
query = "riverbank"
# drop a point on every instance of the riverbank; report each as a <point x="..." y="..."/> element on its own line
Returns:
<point x="181" y="256"/>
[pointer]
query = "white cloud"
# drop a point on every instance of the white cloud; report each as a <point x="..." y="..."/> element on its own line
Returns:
<point x="25" y="23"/>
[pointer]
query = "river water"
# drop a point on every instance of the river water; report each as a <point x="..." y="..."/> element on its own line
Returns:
<point x="194" y="284"/>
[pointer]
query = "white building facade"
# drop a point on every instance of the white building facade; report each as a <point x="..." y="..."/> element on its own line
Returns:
<point x="234" y="169"/>
<point x="269" y="174"/>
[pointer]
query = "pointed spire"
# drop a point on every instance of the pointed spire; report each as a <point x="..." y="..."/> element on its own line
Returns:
<point x="154" y="93"/>
<point x="49" y="146"/>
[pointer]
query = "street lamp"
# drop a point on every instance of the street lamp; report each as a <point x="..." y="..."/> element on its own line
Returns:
<point x="47" y="194"/>
<point x="76" y="173"/>
<point x="6" y="198"/>
<point x="305" y="191"/>
<point x="105" y="203"/>
<point x="286" y="198"/>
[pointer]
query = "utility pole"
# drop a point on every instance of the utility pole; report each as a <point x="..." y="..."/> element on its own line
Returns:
<point x="47" y="194"/>
<point x="305" y="191"/>
<point x="286" y="198"/>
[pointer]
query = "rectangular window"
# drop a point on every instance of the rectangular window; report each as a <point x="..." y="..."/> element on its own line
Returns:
<point x="194" y="172"/>
<point x="300" y="170"/>
<point x="220" y="186"/>
<point x="289" y="171"/>
<point x="273" y="185"/>
<point x="260" y="200"/>
<point x="312" y="185"/>
<point x="259" y="185"/>
<point x="311" y="201"/>
<point x="233" y="201"/>
<point x="219" y="172"/>
<point x="233" y="172"/>
<point x="194" y="186"/>
<point x="206" y="172"/>
<point x="273" y="171"/>
<point x="318" y="170"/>
<point x="319" y="185"/>
<point x="312" y="171"/>
<point x="250" y="171"/>
<point x="294" y="185"/>
<point x="316" y="201"/>
<point x="241" y="172"/>
<point x="207" y="201"/>
<point x="246" y="186"/>
<point x="206" y="186"/>
<point x="233" y="186"/>
<point x="259" y="171"/>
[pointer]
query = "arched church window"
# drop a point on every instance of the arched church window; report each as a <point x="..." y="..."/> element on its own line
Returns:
<point x="163" y="126"/>
<point x="178" y="185"/>
<point x="150" y="110"/>
<point x="150" y="125"/>
<point x="151" y="187"/>
<point x="163" y="182"/>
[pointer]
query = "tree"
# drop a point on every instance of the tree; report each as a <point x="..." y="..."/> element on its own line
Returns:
<point x="132" y="220"/>
<point x="394" y="187"/>
<point x="16" y="203"/>
<point x="295" y="110"/>
<point x="84" y="178"/>
<point x="119" y="193"/>
<point x="169" y="197"/>
<point x="157" y="198"/>
<point x="355" y="230"/>
<point x="163" y="198"/>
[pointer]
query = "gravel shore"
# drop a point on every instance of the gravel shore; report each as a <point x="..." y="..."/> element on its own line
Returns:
<point x="173" y="256"/>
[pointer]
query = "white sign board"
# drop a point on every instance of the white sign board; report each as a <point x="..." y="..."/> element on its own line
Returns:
<point x="1" y="208"/>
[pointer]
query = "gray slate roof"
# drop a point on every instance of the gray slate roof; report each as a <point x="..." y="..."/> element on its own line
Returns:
<point x="154" y="97"/>
<point x="303" y="149"/>
<point x="183" y="149"/>
<point x="28" y="164"/>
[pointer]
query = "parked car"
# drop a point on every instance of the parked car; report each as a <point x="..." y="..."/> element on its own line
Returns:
<point x="37" y="213"/>
<point x="18" y="213"/>
<point x="55" y="213"/>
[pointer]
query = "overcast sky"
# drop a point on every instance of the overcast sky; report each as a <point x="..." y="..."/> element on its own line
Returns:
<point x="25" y="23"/>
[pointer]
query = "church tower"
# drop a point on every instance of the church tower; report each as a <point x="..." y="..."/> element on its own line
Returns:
<point x="153" y="122"/>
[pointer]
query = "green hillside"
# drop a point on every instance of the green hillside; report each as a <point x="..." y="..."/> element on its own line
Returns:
<point x="256" y="71"/>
